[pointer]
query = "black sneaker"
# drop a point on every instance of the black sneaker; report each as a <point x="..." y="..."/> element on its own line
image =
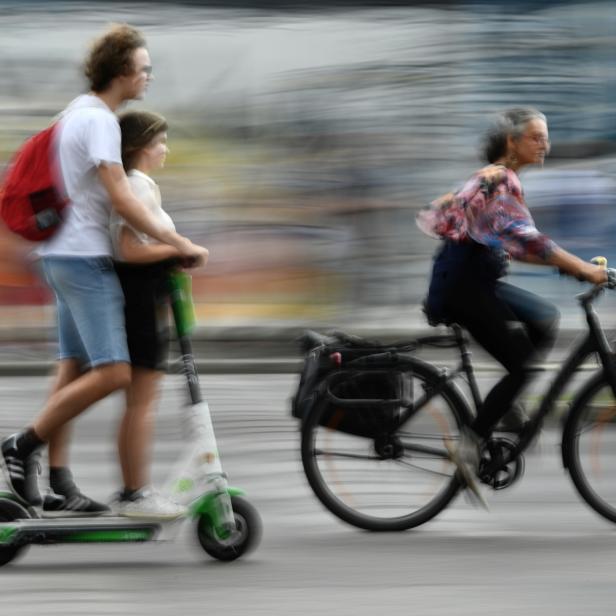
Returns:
<point x="76" y="505"/>
<point x="21" y="473"/>
<point x="74" y="502"/>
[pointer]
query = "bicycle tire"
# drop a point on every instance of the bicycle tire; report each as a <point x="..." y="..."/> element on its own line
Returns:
<point x="448" y="410"/>
<point x="587" y="445"/>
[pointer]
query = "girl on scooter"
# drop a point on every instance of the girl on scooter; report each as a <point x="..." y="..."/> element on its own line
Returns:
<point x="142" y="267"/>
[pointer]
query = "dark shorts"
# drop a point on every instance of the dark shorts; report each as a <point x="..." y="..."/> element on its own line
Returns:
<point x="146" y="313"/>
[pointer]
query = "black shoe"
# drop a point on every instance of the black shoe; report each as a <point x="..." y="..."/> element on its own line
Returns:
<point x="514" y="421"/>
<point x="21" y="472"/>
<point x="52" y="501"/>
<point x="74" y="502"/>
<point x="76" y="505"/>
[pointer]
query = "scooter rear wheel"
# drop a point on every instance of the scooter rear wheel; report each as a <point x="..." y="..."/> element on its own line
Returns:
<point x="9" y="511"/>
<point x="245" y="538"/>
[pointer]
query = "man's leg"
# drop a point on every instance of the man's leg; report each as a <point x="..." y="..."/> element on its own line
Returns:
<point x="77" y="396"/>
<point x="62" y="406"/>
<point x="60" y="476"/>
<point x="68" y="371"/>
<point x="91" y="327"/>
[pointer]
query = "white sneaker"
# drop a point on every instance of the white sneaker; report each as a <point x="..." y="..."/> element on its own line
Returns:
<point x="146" y="503"/>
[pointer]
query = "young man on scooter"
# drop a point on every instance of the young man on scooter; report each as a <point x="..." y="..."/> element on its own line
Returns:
<point x="93" y="355"/>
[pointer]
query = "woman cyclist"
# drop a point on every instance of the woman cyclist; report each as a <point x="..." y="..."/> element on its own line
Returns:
<point x="482" y="226"/>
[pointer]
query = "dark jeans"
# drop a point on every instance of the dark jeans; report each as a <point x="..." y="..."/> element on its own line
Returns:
<point x="514" y="326"/>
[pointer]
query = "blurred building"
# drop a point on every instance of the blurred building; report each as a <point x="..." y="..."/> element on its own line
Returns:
<point x="303" y="142"/>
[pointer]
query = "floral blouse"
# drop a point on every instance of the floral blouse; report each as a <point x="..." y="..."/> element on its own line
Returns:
<point x="490" y="210"/>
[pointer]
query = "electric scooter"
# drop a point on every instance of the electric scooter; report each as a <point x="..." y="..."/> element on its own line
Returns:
<point x="227" y="525"/>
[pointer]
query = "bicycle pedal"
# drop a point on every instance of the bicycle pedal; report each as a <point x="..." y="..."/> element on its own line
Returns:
<point x="472" y="491"/>
<point x="467" y="477"/>
<point x="475" y="497"/>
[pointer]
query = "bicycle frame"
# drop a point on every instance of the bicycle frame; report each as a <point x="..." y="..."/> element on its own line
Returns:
<point x="595" y="341"/>
<point x="388" y="358"/>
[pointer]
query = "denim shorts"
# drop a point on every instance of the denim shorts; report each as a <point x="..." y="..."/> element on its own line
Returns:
<point x="90" y="309"/>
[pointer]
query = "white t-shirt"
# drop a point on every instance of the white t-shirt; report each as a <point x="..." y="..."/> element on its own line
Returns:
<point x="147" y="191"/>
<point x="89" y="135"/>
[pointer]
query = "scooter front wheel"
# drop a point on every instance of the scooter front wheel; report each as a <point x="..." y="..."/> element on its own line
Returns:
<point x="9" y="512"/>
<point x="243" y="540"/>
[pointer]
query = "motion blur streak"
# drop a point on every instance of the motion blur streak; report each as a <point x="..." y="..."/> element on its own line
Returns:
<point x="302" y="143"/>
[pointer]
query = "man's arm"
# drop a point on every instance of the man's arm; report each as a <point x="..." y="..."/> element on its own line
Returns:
<point x="138" y="216"/>
<point x="133" y="251"/>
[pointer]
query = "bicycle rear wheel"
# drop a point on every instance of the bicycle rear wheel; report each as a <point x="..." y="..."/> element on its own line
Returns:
<point x="371" y="486"/>
<point x="589" y="446"/>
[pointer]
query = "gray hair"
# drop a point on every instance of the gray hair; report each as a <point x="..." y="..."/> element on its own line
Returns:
<point x="510" y="122"/>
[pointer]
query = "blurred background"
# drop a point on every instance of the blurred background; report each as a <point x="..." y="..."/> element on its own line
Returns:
<point x="304" y="139"/>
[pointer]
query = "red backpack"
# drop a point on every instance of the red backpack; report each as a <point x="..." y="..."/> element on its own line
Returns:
<point x="32" y="198"/>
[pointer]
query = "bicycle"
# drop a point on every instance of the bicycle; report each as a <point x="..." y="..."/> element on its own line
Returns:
<point x="396" y="472"/>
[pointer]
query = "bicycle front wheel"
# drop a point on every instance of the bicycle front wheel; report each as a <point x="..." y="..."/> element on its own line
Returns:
<point x="589" y="446"/>
<point x="392" y="483"/>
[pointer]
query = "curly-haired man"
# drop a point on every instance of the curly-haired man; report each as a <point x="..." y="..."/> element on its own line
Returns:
<point x="93" y="355"/>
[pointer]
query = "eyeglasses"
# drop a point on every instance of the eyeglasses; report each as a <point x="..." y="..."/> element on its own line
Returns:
<point x="538" y="139"/>
<point x="147" y="69"/>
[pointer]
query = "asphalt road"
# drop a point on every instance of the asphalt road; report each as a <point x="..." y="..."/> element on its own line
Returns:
<point x="539" y="550"/>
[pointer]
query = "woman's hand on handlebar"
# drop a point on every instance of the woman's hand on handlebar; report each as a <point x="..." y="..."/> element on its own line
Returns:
<point x="597" y="274"/>
<point x="610" y="272"/>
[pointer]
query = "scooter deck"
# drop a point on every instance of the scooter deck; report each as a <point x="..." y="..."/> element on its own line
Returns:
<point x="100" y="529"/>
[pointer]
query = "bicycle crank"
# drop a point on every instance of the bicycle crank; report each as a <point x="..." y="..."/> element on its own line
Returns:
<point x="497" y="467"/>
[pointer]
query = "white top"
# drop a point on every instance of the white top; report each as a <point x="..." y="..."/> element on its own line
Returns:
<point x="147" y="191"/>
<point x="89" y="135"/>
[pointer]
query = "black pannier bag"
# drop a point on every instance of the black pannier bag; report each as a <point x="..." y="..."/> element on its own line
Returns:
<point x="347" y="384"/>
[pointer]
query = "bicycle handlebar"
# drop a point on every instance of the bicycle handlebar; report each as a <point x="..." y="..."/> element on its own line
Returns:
<point x="596" y="290"/>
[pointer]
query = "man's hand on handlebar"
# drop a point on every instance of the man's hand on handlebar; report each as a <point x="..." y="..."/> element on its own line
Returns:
<point x="192" y="255"/>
